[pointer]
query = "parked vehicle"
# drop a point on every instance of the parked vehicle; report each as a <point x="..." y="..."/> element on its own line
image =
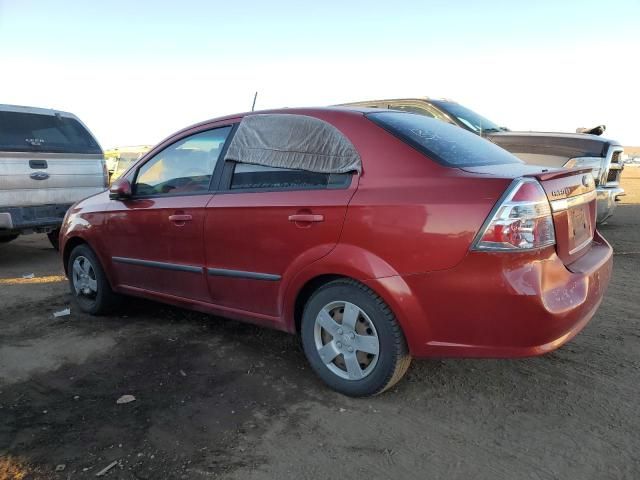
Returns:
<point x="377" y="236"/>
<point x="120" y="159"/>
<point x="48" y="161"/>
<point x="570" y="150"/>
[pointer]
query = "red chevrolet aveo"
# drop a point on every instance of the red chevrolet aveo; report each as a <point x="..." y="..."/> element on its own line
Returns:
<point x="377" y="236"/>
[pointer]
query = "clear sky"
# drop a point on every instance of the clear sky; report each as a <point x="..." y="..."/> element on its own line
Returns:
<point x="135" y="71"/>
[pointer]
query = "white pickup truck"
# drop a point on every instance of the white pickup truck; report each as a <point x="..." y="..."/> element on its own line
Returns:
<point x="48" y="161"/>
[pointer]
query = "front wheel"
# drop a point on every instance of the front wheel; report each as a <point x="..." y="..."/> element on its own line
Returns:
<point x="88" y="282"/>
<point x="352" y="339"/>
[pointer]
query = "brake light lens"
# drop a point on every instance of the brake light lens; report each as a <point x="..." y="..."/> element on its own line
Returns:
<point x="521" y="221"/>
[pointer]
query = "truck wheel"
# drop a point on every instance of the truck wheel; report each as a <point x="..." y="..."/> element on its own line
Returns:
<point x="352" y="339"/>
<point x="89" y="285"/>
<point x="53" y="238"/>
<point x="8" y="238"/>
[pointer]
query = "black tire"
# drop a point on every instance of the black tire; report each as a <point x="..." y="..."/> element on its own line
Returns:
<point x="103" y="300"/>
<point x="393" y="357"/>
<point x="8" y="238"/>
<point x="53" y="238"/>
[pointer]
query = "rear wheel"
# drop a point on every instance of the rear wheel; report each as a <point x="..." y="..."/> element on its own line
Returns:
<point x="89" y="284"/>
<point x="352" y="339"/>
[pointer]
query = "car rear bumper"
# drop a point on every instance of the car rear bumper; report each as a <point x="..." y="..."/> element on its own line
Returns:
<point x="38" y="218"/>
<point x="499" y="305"/>
<point x="606" y="201"/>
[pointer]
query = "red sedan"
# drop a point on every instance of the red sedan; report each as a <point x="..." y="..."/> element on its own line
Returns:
<point x="377" y="236"/>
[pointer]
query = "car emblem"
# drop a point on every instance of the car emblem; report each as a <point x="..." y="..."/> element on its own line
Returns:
<point x="563" y="192"/>
<point x="586" y="181"/>
<point x="39" y="175"/>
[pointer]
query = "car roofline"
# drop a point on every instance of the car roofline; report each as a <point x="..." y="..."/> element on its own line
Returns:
<point x="35" y="110"/>
<point x="292" y="111"/>
<point x="312" y="111"/>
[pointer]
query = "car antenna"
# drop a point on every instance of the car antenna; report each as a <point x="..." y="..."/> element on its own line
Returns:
<point x="253" y="107"/>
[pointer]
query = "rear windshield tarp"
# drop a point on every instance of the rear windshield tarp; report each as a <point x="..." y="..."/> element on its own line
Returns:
<point x="31" y="132"/>
<point x="447" y="144"/>
<point x="293" y="141"/>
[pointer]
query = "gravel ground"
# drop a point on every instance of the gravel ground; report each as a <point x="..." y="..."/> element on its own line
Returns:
<point x="221" y="399"/>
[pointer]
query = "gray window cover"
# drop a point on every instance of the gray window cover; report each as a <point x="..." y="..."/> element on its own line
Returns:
<point x="293" y="141"/>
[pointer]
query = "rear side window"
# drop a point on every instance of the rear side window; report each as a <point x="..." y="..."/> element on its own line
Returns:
<point x="258" y="176"/>
<point x="447" y="144"/>
<point x="30" y="132"/>
<point x="247" y="176"/>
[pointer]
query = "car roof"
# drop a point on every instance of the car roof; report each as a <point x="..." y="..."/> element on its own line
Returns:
<point x="34" y="110"/>
<point x="312" y="111"/>
<point x="347" y="109"/>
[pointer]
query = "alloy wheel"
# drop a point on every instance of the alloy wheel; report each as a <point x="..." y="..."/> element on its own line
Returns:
<point x="346" y="340"/>
<point x="84" y="277"/>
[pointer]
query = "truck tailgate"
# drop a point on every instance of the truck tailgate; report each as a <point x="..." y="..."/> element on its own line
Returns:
<point x="49" y="178"/>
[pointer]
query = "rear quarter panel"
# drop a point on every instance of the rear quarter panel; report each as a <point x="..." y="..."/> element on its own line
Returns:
<point x="409" y="211"/>
<point x="409" y="215"/>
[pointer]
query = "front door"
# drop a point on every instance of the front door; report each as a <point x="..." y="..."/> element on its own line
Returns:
<point x="156" y="236"/>
<point x="266" y="223"/>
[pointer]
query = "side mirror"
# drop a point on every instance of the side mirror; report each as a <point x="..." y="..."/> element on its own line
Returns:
<point x="120" y="189"/>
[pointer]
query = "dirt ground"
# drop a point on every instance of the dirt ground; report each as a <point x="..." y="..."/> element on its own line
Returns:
<point x="220" y="399"/>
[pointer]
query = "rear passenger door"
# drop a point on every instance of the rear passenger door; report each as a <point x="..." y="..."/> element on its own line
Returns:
<point x="263" y="225"/>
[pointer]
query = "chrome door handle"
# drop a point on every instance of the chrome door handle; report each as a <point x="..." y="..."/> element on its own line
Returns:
<point x="306" y="217"/>
<point x="180" y="218"/>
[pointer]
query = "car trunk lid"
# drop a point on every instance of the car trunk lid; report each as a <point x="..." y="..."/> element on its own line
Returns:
<point x="28" y="179"/>
<point x="572" y="196"/>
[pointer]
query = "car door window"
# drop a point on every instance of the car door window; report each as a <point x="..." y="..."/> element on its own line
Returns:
<point x="184" y="167"/>
<point x="259" y="176"/>
<point x="248" y="177"/>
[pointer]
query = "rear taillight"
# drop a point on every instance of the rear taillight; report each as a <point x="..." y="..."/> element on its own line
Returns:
<point x="520" y="221"/>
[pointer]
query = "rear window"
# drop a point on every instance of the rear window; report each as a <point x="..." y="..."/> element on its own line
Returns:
<point x="447" y="144"/>
<point x="29" y="132"/>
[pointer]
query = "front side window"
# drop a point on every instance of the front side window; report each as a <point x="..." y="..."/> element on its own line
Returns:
<point x="445" y="143"/>
<point x="184" y="167"/>
<point x="248" y="176"/>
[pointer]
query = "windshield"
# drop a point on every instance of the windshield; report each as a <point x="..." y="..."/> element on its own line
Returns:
<point x="442" y="142"/>
<point x="474" y="122"/>
<point x="30" y="132"/>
